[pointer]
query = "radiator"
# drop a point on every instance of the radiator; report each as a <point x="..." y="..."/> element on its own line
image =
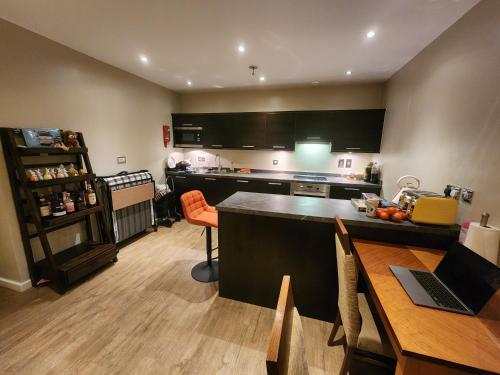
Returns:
<point x="128" y="201"/>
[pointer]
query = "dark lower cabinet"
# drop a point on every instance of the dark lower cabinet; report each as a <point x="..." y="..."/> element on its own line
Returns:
<point x="216" y="189"/>
<point x="349" y="192"/>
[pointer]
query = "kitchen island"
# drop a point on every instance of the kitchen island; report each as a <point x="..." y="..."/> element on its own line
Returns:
<point x="264" y="236"/>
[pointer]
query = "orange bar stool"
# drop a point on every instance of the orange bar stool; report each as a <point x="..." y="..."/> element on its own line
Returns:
<point x="198" y="212"/>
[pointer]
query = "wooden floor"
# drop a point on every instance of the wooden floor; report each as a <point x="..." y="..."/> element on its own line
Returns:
<point x="145" y="315"/>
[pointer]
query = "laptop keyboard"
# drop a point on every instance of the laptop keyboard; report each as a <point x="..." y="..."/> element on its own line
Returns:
<point x="437" y="291"/>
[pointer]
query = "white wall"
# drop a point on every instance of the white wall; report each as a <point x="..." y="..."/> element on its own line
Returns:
<point x="307" y="157"/>
<point x="44" y="84"/>
<point x="443" y="113"/>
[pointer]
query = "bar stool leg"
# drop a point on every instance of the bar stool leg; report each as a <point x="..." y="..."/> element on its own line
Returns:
<point x="207" y="272"/>
<point x="208" y="234"/>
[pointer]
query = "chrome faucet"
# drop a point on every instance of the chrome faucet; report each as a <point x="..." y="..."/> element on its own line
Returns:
<point x="217" y="159"/>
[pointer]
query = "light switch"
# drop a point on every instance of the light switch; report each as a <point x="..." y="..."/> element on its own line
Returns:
<point x="121" y="160"/>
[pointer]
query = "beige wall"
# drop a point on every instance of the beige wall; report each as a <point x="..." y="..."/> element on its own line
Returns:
<point x="443" y="113"/>
<point x="44" y="84"/>
<point x="307" y="157"/>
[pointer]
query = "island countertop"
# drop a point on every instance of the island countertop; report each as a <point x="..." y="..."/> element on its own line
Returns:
<point x="322" y="210"/>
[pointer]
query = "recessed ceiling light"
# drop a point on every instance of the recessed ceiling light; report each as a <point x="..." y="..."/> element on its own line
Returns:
<point x="144" y="59"/>
<point x="262" y="78"/>
<point x="241" y="48"/>
<point x="189" y="83"/>
<point x="348" y="73"/>
<point x="370" y="34"/>
<point x="315" y="82"/>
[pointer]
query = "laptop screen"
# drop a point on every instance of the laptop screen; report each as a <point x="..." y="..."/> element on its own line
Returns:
<point x="472" y="278"/>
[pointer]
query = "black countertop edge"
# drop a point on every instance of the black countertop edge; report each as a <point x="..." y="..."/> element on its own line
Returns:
<point x="375" y="224"/>
<point x="278" y="176"/>
<point x="320" y="210"/>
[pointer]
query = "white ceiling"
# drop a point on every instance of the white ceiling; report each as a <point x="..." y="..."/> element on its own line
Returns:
<point x="294" y="42"/>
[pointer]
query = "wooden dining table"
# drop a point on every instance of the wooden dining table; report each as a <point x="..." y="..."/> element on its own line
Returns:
<point x="427" y="341"/>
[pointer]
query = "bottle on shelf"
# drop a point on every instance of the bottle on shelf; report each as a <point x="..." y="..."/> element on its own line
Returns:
<point x="79" y="201"/>
<point x="44" y="206"/>
<point x="90" y="197"/>
<point x="57" y="205"/>
<point x="68" y="203"/>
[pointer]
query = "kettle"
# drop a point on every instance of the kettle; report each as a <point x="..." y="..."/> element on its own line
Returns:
<point x="405" y="183"/>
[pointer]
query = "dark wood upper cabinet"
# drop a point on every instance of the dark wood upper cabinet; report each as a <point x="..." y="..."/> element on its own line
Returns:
<point x="357" y="130"/>
<point x="219" y="132"/>
<point x="313" y="126"/>
<point x="280" y="131"/>
<point x="249" y="130"/>
<point x="188" y="119"/>
<point x="347" y="130"/>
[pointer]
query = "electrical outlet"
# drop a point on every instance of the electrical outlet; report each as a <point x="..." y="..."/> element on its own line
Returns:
<point x="467" y="195"/>
<point x="348" y="163"/>
<point x="275" y="162"/>
<point x="341" y="163"/>
<point x="121" y="160"/>
<point x="201" y="158"/>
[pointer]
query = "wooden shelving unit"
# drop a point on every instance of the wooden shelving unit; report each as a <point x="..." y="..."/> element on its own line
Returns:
<point x="70" y="265"/>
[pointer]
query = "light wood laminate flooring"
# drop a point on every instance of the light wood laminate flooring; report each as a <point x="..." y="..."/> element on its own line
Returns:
<point x="146" y="315"/>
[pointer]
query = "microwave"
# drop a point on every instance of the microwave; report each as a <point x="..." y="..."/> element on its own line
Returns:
<point x="188" y="136"/>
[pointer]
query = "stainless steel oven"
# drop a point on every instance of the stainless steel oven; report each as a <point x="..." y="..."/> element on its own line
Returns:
<point x="188" y="136"/>
<point x="307" y="189"/>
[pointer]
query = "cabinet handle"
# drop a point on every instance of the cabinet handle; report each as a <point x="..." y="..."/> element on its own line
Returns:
<point x="248" y="146"/>
<point x="187" y="124"/>
<point x="275" y="183"/>
<point x="210" y="179"/>
<point x="243" y="181"/>
<point x="216" y="145"/>
<point x="313" y="138"/>
<point x="279" y="147"/>
<point x="352" y="189"/>
<point x="353" y="148"/>
<point x="180" y="177"/>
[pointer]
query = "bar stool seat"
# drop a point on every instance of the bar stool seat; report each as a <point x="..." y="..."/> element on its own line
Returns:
<point x="198" y="212"/>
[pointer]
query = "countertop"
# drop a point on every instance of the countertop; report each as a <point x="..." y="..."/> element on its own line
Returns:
<point x="320" y="210"/>
<point x="284" y="177"/>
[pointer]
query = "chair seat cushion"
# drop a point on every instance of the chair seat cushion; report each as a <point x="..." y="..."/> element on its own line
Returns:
<point x="206" y="219"/>
<point x="370" y="338"/>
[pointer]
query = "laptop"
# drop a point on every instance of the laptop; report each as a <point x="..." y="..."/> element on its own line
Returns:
<point x="463" y="282"/>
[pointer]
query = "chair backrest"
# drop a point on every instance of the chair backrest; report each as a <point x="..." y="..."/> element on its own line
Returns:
<point x="348" y="280"/>
<point x="341" y="232"/>
<point x="193" y="203"/>
<point x="286" y="351"/>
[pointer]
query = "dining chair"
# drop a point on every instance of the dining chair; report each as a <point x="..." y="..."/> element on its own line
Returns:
<point x="286" y="353"/>
<point x="363" y="337"/>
